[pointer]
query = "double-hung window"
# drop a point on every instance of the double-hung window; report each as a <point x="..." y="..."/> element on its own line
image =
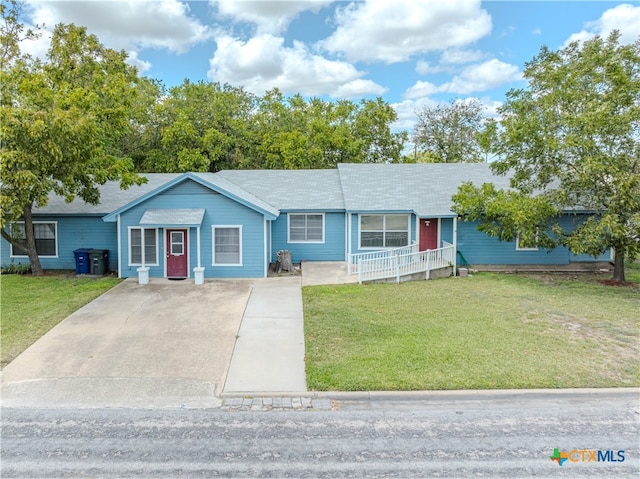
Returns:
<point x="143" y="246"/>
<point x="306" y="228"/>
<point x="46" y="237"/>
<point x="227" y="245"/>
<point x="384" y="231"/>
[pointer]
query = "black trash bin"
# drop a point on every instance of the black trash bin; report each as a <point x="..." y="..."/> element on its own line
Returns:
<point x="82" y="260"/>
<point x="99" y="259"/>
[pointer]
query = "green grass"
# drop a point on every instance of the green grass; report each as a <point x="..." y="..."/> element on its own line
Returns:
<point x="482" y="332"/>
<point x="30" y="306"/>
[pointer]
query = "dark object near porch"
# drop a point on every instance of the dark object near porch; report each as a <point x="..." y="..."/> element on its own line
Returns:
<point x="284" y="261"/>
<point x="82" y="260"/>
<point x="99" y="261"/>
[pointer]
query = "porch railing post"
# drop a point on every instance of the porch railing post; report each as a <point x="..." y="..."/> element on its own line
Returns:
<point x="428" y="276"/>
<point x="397" y="261"/>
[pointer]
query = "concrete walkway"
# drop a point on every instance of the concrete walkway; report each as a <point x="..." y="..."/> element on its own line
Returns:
<point x="269" y="350"/>
<point x="172" y="343"/>
<point x="316" y="273"/>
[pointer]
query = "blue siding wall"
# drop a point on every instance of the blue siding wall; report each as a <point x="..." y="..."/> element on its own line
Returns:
<point x="571" y="221"/>
<point x="219" y="210"/>
<point x="478" y="249"/>
<point x="332" y="249"/>
<point x="446" y="230"/>
<point x="74" y="232"/>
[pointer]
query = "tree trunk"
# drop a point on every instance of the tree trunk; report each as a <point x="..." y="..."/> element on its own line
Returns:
<point x="284" y="261"/>
<point x="618" y="266"/>
<point x="30" y="250"/>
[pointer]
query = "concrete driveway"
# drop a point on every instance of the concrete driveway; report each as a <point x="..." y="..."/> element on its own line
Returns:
<point x="166" y="343"/>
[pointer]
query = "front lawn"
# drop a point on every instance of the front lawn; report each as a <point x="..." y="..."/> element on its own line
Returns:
<point x="30" y="306"/>
<point x="481" y="332"/>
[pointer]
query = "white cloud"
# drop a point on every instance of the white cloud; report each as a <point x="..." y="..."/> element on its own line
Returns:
<point x="625" y="18"/>
<point x="127" y="25"/>
<point x="474" y="78"/>
<point x="457" y="56"/>
<point x="421" y="89"/>
<point x="394" y="31"/>
<point x="141" y="65"/>
<point x="406" y="111"/>
<point x="268" y="16"/>
<point x="423" y="67"/>
<point x="358" y="88"/>
<point x="263" y="62"/>
<point x="482" y="77"/>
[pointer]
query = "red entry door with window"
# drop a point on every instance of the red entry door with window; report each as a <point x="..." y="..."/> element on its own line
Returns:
<point x="428" y="233"/>
<point x="177" y="254"/>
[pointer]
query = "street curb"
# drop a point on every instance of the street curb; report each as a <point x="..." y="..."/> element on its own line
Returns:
<point x="430" y="395"/>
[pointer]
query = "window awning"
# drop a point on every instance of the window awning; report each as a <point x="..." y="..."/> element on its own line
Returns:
<point x="186" y="217"/>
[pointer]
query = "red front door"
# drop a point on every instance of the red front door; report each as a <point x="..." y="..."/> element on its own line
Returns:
<point x="428" y="233"/>
<point x="177" y="253"/>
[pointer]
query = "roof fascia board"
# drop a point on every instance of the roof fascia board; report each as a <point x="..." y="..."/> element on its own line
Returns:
<point x="311" y="210"/>
<point x="270" y="215"/>
<point x="382" y="212"/>
<point x="111" y="217"/>
<point x="69" y="215"/>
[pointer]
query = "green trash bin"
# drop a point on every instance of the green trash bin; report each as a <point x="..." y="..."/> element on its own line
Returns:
<point x="99" y="261"/>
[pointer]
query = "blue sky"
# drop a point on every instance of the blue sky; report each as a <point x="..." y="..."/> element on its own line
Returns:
<point x="412" y="53"/>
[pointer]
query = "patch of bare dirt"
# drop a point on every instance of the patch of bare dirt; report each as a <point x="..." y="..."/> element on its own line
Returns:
<point x="612" y="282"/>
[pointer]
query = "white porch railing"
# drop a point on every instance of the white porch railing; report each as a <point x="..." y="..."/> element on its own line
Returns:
<point x="405" y="263"/>
<point x="355" y="259"/>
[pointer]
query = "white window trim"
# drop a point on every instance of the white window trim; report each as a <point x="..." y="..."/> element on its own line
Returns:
<point x="378" y="248"/>
<point x="55" y="226"/>
<point x="146" y="263"/>
<point x="289" y="240"/>
<point x="213" y="245"/>
<point x="524" y="248"/>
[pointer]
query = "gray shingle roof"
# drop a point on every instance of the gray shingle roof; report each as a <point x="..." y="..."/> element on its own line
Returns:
<point x="111" y="197"/>
<point x="423" y="188"/>
<point x="173" y="216"/>
<point x="291" y="189"/>
<point x="217" y="180"/>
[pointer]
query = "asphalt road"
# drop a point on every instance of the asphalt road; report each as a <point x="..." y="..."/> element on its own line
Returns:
<point x="491" y="436"/>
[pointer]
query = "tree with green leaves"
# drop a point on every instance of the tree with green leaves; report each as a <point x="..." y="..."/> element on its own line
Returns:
<point x="571" y="143"/>
<point x="295" y="133"/>
<point x="448" y="133"/>
<point x="198" y="126"/>
<point x="62" y="120"/>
